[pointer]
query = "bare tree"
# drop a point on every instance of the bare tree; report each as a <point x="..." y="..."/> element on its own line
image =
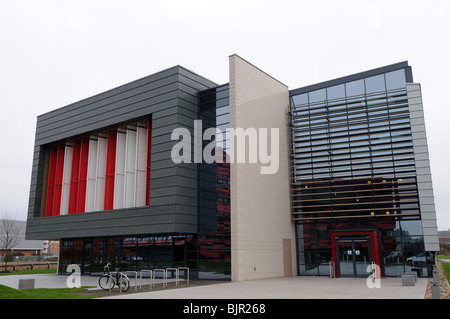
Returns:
<point x="10" y="235"/>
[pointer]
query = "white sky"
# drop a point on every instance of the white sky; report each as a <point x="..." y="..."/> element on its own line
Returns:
<point x="54" y="53"/>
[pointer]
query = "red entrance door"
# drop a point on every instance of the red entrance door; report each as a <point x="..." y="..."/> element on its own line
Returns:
<point x="354" y="251"/>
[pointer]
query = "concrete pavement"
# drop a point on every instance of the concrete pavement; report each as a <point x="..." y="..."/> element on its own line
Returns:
<point x="304" y="287"/>
<point x="292" y="288"/>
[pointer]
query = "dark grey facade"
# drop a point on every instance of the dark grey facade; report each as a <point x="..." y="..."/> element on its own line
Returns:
<point x="170" y="98"/>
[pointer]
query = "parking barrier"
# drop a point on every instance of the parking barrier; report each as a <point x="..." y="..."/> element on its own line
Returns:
<point x="151" y="275"/>
<point x="135" y="278"/>
<point x="187" y="270"/>
<point x="176" y="274"/>
<point x="164" y="276"/>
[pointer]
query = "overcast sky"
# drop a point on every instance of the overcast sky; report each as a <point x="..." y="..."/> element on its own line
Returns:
<point x="54" y="53"/>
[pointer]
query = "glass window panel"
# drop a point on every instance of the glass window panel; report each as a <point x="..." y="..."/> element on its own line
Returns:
<point x="411" y="227"/>
<point x="355" y="88"/>
<point x="300" y="99"/>
<point x="395" y="79"/>
<point x="222" y="94"/>
<point x="336" y="92"/>
<point x="223" y="119"/>
<point x="223" y="110"/>
<point x="223" y="102"/>
<point x="317" y="96"/>
<point x="375" y="84"/>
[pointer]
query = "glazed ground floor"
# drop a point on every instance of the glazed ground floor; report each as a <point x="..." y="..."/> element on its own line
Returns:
<point x="354" y="249"/>
<point x="206" y="258"/>
<point x="338" y="250"/>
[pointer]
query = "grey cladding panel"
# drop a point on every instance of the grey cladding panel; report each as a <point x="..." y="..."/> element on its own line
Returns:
<point x="170" y="97"/>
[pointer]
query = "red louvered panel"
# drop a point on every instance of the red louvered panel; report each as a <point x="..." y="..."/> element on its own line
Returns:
<point x="110" y="170"/>
<point x="51" y="182"/>
<point x="59" y="170"/>
<point x="82" y="177"/>
<point x="74" y="176"/>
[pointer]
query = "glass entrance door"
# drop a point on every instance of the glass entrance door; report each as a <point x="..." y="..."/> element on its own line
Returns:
<point x="354" y="255"/>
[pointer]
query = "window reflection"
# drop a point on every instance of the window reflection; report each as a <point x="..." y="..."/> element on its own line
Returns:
<point x="355" y="88"/>
<point x="317" y="96"/>
<point x="336" y="92"/>
<point x="395" y="80"/>
<point x="375" y="84"/>
<point x="300" y="99"/>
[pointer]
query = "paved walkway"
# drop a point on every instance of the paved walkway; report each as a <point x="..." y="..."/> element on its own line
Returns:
<point x="277" y="288"/>
<point x="292" y="288"/>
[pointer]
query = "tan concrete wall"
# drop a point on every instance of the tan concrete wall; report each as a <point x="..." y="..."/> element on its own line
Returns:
<point x="260" y="203"/>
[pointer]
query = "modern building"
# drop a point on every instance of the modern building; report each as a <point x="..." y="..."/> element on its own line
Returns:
<point x="239" y="181"/>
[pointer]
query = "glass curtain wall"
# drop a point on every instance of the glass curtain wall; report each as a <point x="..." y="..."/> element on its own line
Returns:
<point x="353" y="168"/>
<point x="129" y="253"/>
<point x="214" y="251"/>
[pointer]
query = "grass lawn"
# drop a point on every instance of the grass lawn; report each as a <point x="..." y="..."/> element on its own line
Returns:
<point x="439" y="257"/>
<point x="29" y="272"/>
<point x="42" y="293"/>
<point x="446" y="267"/>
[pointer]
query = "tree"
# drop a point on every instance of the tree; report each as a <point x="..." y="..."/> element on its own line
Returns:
<point x="10" y="235"/>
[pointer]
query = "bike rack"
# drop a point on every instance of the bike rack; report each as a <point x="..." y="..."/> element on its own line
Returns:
<point x="176" y="274"/>
<point x="121" y="275"/>
<point x="111" y="275"/>
<point x="164" y="276"/>
<point x="187" y="269"/>
<point x="151" y="275"/>
<point x="135" y="278"/>
<point x="120" y="288"/>
<point x="331" y="269"/>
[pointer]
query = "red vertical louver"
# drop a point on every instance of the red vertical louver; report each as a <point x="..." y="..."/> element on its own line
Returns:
<point x="73" y="195"/>
<point x="110" y="170"/>
<point x="54" y="183"/>
<point x="51" y="181"/>
<point x="149" y="162"/>
<point x="58" y="180"/>
<point x="78" y="177"/>
<point x="82" y="177"/>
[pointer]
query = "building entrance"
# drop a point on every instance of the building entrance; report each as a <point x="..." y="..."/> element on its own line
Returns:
<point x="354" y="256"/>
<point x="354" y="252"/>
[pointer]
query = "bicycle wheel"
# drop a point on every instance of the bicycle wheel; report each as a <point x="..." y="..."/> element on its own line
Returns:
<point x="124" y="283"/>
<point x="106" y="282"/>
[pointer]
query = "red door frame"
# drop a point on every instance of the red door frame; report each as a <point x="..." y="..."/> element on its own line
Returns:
<point x="374" y="243"/>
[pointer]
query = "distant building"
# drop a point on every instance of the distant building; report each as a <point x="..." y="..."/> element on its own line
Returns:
<point x="444" y="236"/>
<point x="51" y="247"/>
<point x="25" y="247"/>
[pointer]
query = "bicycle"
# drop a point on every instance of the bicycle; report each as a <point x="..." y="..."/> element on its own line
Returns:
<point x="108" y="280"/>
